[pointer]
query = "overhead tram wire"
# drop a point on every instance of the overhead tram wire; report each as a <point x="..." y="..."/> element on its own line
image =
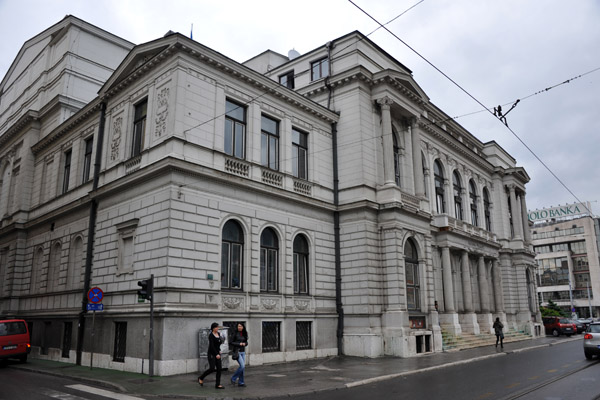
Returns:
<point x="474" y="99"/>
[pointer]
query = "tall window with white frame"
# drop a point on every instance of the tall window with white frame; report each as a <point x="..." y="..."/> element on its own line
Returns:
<point x="510" y="214"/>
<point x="235" y="129"/>
<point x="397" y="159"/>
<point x="458" y="208"/>
<point x="87" y="159"/>
<point x="300" y="265"/>
<point x="232" y="250"/>
<point x="438" y="177"/>
<point x="411" y="267"/>
<point x="473" y="197"/>
<point x="139" y="127"/>
<point x="299" y="154"/>
<point x="269" y="256"/>
<point x="269" y="143"/>
<point x="319" y="69"/>
<point x="486" y="210"/>
<point x="66" y="170"/>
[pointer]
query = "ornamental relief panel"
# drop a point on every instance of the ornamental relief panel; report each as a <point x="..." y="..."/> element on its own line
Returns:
<point x="162" y="112"/>
<point x="302" y="305"/>
<point x="116" y="138"/>
<point x="233" y="303"/>
<point x="270" y="304"/>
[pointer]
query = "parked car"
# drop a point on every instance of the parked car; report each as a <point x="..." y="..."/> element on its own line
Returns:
<point x="558" y="326"/>
<point x="14" y="339"/>
<point x="586" y="322"/>
<point x="580" y="326"/>
<point x="591" y="341"/>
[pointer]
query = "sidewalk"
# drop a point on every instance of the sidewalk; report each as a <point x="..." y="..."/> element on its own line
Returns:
<point x="280" y="380"/>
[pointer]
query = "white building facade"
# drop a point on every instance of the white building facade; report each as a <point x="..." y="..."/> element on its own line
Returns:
<point x="321" y="199"/>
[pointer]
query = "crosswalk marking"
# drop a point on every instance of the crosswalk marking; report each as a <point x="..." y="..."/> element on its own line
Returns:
<point x="104" y="393"/>
<point x="60" y="395"/>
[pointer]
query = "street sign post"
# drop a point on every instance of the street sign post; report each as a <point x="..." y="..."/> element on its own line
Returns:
<point x="95" y="296"/>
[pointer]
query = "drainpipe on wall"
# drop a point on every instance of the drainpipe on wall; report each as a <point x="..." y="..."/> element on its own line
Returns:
<point x="327" y="82"/>
<point x="336" y="234"/>
<point x="91" y="230"/>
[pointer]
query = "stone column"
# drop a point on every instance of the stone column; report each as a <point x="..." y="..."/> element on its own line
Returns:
<point x="483" y="286"/>
<point x="388" y="142"/>
<point x="416" y="156"/>
<point x="498" y="286"/>
<point x="526" y="231"/>
<point x="447" y="278"/>
<point x="514" y="208"/>
<point x="466" y="281"/>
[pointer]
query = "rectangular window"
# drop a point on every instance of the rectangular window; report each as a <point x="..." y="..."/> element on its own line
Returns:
<point x="300" y="273"/>
<point x="269" y="143"/>
<point x="87" y="159"/>
<point x="319" y="69"/>
<point x="299" y="154"/>
<point x="270" y="336"/>
<point x="231" y="329"/>
<point x="139" y="128"/>
<point x="287" y="79"/>
<point x="67" y="334"/>
<point x="120" y="344"/>
<point x="578" y="247"/>
<point x="231" y="265"/>
<point x="66" y="171"/>
<point x="126" y="246"/>
<point x="303" y="335"/>
<point x="268" y="270"/>
<point x="235" y="129"/>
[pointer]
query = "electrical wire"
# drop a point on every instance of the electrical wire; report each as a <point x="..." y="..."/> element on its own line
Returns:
<point x="474" y="99"/>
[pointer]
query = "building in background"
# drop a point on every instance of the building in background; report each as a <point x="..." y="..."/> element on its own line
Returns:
<point x="565" y="239"/>
<point x="322" y="199"/>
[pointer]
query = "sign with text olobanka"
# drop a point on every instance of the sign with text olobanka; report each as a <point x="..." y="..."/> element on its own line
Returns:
<point x="561" y="212"/>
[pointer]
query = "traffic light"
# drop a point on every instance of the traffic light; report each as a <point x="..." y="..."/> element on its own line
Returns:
<point x="145" y="291"/>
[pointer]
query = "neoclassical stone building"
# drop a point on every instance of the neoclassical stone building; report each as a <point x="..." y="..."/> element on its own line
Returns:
<point x="322" y="199"/>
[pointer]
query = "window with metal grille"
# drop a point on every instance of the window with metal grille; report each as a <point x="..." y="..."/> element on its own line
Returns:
<point x="120" y="341"/>
<point x="270" y="336"/>
<point x="303" y="335"/>
<point x="67" y="333"/>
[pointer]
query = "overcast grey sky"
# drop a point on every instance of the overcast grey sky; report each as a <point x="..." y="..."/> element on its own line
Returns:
<point x="499" y="51"/>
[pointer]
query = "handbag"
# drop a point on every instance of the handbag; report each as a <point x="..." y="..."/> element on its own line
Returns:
<point x="236" y="354"/>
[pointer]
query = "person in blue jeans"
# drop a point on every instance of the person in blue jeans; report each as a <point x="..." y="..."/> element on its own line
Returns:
<point x="239" y="342"/>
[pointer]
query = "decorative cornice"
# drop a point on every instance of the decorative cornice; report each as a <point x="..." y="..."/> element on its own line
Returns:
<point x="27" y="118"/>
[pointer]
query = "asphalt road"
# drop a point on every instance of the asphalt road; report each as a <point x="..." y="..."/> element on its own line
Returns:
<point x="23" y="385"/>
<point x="556" y="372"/>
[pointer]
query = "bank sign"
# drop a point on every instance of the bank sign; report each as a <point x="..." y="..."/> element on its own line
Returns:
<point x="569" y="210"/>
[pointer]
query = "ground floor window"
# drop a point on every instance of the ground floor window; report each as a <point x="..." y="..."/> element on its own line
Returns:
<point x="120" y="341"/>
<point x="67" y="334"/>
<point x="303" y="335"/>
<point x="271" y="336"/>
<point x="232" y="328"/>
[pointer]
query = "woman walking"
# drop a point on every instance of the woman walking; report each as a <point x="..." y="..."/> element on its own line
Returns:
<point x="498" y="330"/>
<point x="239" y="341"/>
<point x="213" y="355"/>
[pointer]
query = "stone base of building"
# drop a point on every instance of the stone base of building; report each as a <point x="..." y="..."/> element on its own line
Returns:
<point x="485" y="323"/>
<point x="450" y="323"/>
<point x="469" y="324"/>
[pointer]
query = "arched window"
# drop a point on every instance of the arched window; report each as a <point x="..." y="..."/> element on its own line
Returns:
<point x="300" y="265"/>
<point x="411" y="267"/>
<point x="458" y="208"/>
<point x="486" y="210"/>
<point x="438" y="176"/>
<point x="36" y="270"/>
<point x="54" y="267"/>
<point x="397" y="159"/>
<point x="473" y="197"/>
<point x="76" y="263"/>
<point x="269" y="256"/>
<point x="232" y="250"/>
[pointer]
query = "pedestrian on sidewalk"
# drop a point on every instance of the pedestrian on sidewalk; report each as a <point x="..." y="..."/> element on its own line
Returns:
<point x="498" y="329"/>
<point x="239" y="341"/>
<point x="214" y="356"/>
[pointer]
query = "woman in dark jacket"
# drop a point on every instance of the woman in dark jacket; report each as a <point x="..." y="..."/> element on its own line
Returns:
<point x="213" y="355"/>
<point x="239" y="341"/>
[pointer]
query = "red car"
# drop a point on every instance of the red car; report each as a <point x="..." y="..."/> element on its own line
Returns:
<point x="559" y="326"/>
<point x="14" y="339"/>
